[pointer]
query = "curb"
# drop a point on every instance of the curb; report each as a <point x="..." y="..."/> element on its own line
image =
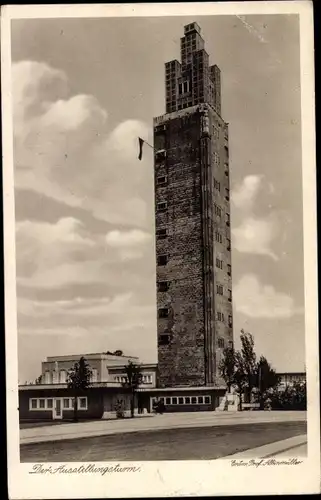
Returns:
<point x="271" y="449"/>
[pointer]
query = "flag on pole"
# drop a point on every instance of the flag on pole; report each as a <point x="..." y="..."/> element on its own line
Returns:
<point x="140" y="143"/>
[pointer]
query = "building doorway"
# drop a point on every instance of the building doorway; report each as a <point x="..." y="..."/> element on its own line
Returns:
<point x="57" y="409"/>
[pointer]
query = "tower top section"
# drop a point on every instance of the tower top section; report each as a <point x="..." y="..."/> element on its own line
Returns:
<point x="192" y="81"/>
<point x="191" y="28"/>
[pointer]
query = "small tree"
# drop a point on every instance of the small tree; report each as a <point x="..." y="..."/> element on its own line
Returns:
<point x="249" y="360"/>
<point x="78" y="381"/>
<point x="266" y="378"/>
<point x="240" y="376"/>
<point x="133" y="380"/>
<point x="227" y="366"/>
<point x="38" y="380"/>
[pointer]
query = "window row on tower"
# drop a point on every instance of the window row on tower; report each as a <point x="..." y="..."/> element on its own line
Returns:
<point x="164" y="312"/>
<point x="162" y="233"/>
<point x="220" y="291"/>
<point x="221" y="317"/>
<point x="220" y="265"/>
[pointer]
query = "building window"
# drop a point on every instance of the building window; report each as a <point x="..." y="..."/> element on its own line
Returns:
<point x="217" y="185"/>
<point x="220" y="343"/>
<point x="162" y="180"/>
<point x="200" y="400"/>
<point x="230" y="344"/>
<point x="228" y="219"/>
<point x="219" y="289"/>
<point x="215" y="132"/>
<point x="82" y="403"/>
<point x="162" y="286"/>
<point x="49" y="404"/>
<point x="162" y="260"/>
<point x="216" y="158"/>
<point x="194" y="400"/>
<point x="47" y="377"/>
<point x="217" y="210"/>
<point x="62" y="376"/>
<point x="227" y="194"/>
<point x="66" y="403"/>
<point x="180" y="401"/>
<point x="162" y="128"/>
<point x="187" y="400"/>
<point x="161" y="233"/>
<point x="174" y="401"/>
<point x="218" y="237"/>
<point x="220" y="316"/>
<point x="168" y="401"/>
<point x="162" y="206"/>
<point x="163" y="312"/>
<point x="230" y="321"/>
<point x="42" y="404"/>
<point x="207" y="400"/>
<point x="219" y="263"/>
<point x="228" y="244"/>
<point x="160" y="155"/>
<point x="230" y="295"/>
<point x="164" y="339"/>
<point x="229" y="269"/>
<point x="33" y="404"/>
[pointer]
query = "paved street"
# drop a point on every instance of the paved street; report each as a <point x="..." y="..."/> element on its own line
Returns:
<point x="298" y="451"/>
<point x="158" y="422"/>
<point x="196" y="443"/>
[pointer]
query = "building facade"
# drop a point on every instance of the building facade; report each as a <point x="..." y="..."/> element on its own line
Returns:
<point x="288" y="379"/>
<point x="51" y="399"/>
<point x="104" y="368"/>
<point x="192" y="221"/>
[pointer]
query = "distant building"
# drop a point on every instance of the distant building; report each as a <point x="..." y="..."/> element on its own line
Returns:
<point x="104" y="367"/>
<point x="291" y="378"/>
<point x="193" y="236"/>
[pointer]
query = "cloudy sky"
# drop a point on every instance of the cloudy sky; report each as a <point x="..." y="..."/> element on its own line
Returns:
<point x="83" y="90"/>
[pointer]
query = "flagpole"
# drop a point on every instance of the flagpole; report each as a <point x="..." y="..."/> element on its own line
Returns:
<point x="141" y="143"/>
<point x="148" y="144"/>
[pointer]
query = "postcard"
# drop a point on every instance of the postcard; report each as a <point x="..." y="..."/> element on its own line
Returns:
<point x="160" y="243"/>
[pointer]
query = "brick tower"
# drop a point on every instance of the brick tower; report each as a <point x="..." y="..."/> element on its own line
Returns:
<point x="192" y="214"/>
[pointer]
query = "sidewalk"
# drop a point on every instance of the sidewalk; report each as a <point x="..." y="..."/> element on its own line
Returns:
<point x="291" y="447"/>
<point x="150" y="423"/>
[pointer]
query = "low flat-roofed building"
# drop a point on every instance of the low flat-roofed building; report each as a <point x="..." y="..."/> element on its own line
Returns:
<point x="291" y="378"/>
<point x="51" y="398"/>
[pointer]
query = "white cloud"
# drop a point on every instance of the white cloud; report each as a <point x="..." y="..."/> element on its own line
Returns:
<point x="75" y="307"/>
<point x="53" y="255"/>
<point x="255" y="236"/>
<point x="64" y="149"/>
<point x="73" y="113"/>
<point x="66" y="230"/>
<point x="133" y="237"/>
<point x="257" y="300"/>
<point x="243" y="196"/>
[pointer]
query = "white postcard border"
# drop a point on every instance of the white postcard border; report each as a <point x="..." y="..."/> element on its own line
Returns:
<point x="175" y="478"/>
